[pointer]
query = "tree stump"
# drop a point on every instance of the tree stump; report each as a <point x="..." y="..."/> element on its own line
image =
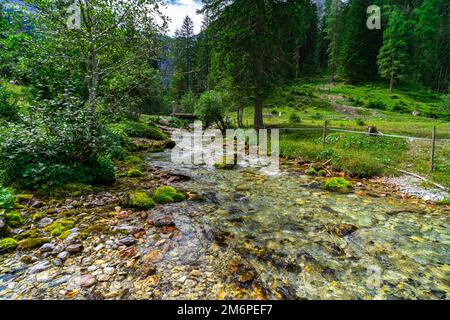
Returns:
<point x="371" y="131"/>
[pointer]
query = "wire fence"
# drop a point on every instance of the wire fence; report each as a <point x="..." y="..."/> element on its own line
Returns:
<point x="434" y="140"/>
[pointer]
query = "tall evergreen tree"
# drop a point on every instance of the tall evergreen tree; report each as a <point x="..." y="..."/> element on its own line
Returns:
<point x="393" y="57"/>
<point x="360" y="44"/>
<point x="183" y="82"/>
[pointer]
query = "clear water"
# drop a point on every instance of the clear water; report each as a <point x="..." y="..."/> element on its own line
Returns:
<point x="282" y="225"/>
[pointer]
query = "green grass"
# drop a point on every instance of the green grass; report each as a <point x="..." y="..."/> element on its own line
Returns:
<point x="316" y="101"/>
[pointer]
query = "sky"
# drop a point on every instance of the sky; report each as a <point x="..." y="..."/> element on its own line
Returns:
<point x="177" y="10"/>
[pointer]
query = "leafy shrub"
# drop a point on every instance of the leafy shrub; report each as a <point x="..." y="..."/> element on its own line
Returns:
<point x="8" y="108"/>
<point x="210" y="108"/>
<point x="360" y="122"/>
<point x="58" y="145"/>
<point x="139" y="130"/>
<point x="7" y="199"/>
<point x="188" y="102"/>
<point x="294" y="118"/>
<point x="375" y="104"/>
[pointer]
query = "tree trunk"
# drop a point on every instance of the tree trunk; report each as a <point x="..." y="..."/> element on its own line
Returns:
<point x="259" y="120"/>
<point x="391" y="84"/>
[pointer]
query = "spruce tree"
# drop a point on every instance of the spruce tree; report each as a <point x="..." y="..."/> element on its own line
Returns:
<point x="393" y="57"/>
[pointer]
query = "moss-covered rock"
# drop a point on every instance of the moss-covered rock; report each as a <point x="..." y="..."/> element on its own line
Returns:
<point x="167" y="194"/>
<point x="322" y="173"/>
<point x="337" y="184"/>
<point x="311" y="172"/>
<point x="57" y="228"/>
<point x="139" y="200"/>
<point x="134" y="173"/>
<point x="133" y="160"/>
<point x="32" y="233"/>
<point x="38" y="216"/>
<point x="7" y="245"/>
<point x="32" y="243"/>
<point x="77" y="189"/>
<point x="24" y="197"/>
<point x="13" y="219"/>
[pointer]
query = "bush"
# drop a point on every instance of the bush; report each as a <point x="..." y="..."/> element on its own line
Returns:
<point x="360" y="122"/>
<point x="210" y="108"/>
<point x="140" y="130"/>
<point x="294" y="118"/>
<point x="167" y="194"/>
<point x="7" y="199"/>
<point x="8" y="108"/>
<point x="55" y="148"/>
<point x="374" y="104"/>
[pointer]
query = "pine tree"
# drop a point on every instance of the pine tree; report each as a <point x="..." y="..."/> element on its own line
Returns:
<point x="183" y="81"/>
<point x="393" y="57"/>
<point x="332" y="32"/>
<point x="360" y="44"/>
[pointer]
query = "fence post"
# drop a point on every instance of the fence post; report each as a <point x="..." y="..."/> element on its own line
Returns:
<point x="433" y="149"/>
<point x="325" y="132"/>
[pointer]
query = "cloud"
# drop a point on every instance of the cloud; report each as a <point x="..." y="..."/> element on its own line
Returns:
<point x="177" y="10"/>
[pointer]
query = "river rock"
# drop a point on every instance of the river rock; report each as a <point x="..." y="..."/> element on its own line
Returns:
<point x="48" y="247"/>
<point x="164" y="222"/>
<point x="128" y="241"/>
<point x="41" y="266"/>
<point x="45" y="222"/>
<point x="87" y="281"/>
<point x="57" y="262"/>
<point x="75" y="248"/>
<point x="64" y="255"/>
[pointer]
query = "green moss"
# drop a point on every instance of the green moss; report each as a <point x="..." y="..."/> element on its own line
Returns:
<point x="32" y="243"/>
<point x="443" y="202"/>
<point x="337" y="184"/>
<point x="133" y="160"/>
<point x="77" y="189"/>
<point x="134" y="173"/>
<point x="38" y="216"/>
<point x="140" y="200"/>
<point x="64" y="235"/>
<point x="13" y="219"/>
<point x="57" y="228"/>
<point x="311" y="172"/>
<point x="322" y="173"/>
<point x="7" y="245"/>
<point x="24" y="197"/>
<point x="33" y="233"/>
<point x="167" y="194"/>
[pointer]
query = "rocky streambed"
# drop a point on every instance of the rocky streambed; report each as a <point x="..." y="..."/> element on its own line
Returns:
<point x="240" y="235"/>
